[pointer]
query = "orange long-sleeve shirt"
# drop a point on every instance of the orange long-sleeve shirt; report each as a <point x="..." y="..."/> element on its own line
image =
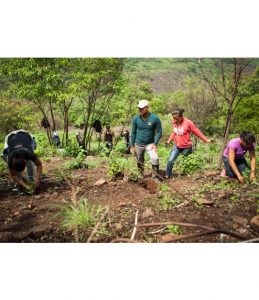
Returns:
<point x="181" y="134"/>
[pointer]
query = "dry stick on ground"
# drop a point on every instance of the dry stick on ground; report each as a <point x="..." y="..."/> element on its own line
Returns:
<point x="158" y="231"/>
<point x="97" y="225"/>
<point x="122" y="240"/>
<point x="187" y="236"/>
<point x="220" y="230"/>
<point x="74" y="192"/>
<point x="144" y="234"/>
<point x="135" y="226"/>
<point x="182" y="204"/>
<point x="255" y="240"/>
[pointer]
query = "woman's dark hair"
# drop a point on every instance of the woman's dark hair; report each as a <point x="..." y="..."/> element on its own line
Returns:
<point x="178" y="111"/>
<point x="18" y="164"/>
<point x="247" y="137"/>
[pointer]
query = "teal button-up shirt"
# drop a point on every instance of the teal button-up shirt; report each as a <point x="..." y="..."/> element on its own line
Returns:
<point x="145" y="132"/>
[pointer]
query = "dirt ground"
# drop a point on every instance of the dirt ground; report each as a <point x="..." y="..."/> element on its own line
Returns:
<point x="37" y="218"/>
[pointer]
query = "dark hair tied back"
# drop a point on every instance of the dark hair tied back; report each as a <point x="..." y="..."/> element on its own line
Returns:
<point x="178" y="111"/>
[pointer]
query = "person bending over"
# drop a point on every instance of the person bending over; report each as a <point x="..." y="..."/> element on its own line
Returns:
<point x="234" y="156"/>
<point x="19" y="154"/>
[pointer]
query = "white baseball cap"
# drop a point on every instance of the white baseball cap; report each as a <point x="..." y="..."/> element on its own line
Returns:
<point x="143" y="103"/>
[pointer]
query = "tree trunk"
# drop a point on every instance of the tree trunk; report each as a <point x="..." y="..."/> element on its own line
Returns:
<point x="65" y="130"/>
<point x="67" y="123"/>
<point x="225" y="137"/>
<point x="52" y="115"/>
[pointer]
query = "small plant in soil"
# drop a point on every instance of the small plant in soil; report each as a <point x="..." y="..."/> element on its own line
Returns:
<point x="168" y="202"/>
<point x="61" y="174"/>
<point x="120" y="167"/>
<point x="176" y="229"/>
<point x="164" y="187"/>
<point x="235" y="198"/>
<point x="115" y="167"/>
<point x="84" y="215"/>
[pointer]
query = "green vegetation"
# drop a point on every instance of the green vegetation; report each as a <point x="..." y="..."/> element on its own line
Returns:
<point x="71" y="91"/>
<point x="120" y="167"/>
<point x="76" y="163"/>
<point x="176" y="229"/>
<point x="168" y="202"/>
<point x="84" y="215"/>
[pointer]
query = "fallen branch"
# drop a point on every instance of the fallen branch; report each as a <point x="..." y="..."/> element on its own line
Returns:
<point x="144" y="234"/>
<point x="135" y="226"/>
<point x="175" y="223"/>
<point x="122" y="240"/>
<point x="255" y="240"/>
<point x="219" y="230"/>
<point x="182" y="204"/>
<point x="193" y="235"/>
<point x="158" y="231"/>
<point x="97" y="225"/>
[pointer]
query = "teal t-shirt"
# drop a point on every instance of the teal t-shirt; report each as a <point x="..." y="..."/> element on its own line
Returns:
<point x="145" y="132"/>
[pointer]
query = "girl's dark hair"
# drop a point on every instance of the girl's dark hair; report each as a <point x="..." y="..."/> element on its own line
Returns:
<point x="178" y="111"/>
<point x="247" y="137"/>
<point x="18" y="164"/>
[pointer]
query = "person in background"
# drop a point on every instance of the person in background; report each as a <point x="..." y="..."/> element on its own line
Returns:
<point x="56" y="139"/>
<point x="97" y="125"/>
<point x="146" y="132"/>
<point x="19" y="153"/>
<point x="182" y="128"/>
<point x="234" y="156"/>
<point x="45" y="123"/>
<point x="108" y="138"/>
<point x="126" y="136"/>
<point x="80" y="135"/>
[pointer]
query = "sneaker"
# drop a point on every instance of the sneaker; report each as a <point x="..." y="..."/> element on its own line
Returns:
<point x="17" y="188"/>
<point x="167" y="177"/>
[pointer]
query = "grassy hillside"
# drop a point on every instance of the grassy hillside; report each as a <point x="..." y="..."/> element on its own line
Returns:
<point x="164" y="75"/>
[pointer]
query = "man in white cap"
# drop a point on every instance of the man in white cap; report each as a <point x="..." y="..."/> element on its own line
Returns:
<point x="145" y="134"/>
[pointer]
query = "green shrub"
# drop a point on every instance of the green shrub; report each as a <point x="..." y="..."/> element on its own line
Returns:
<point x="84" y="215"/>
<point x="131" y="171"/>
<point x="116" y="165"/>
<point x="72" y="149"/>
<point x="44" y="149"/>
<point x="190" y="164"/>
<point x="123" y="167"/>
<point x="76" y="163"/>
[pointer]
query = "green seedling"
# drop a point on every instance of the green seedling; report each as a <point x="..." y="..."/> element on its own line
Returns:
<point x="163" y="187"/>
<point x="176" y="229"/>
